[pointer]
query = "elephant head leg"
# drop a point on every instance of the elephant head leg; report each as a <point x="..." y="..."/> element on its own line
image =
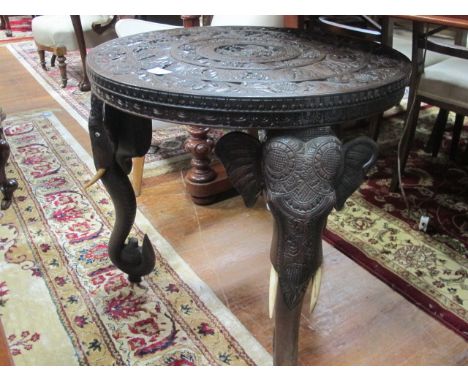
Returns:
<point x="299" y="170"/>
<point x="117" y="137"/>
<point x="304" y="174"/>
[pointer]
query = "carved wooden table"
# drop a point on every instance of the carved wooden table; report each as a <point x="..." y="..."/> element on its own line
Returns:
<point x="292" y="85"/>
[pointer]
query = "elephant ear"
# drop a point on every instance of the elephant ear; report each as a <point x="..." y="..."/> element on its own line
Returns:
<point x="359" y="155"/>
<point x="240" y="154"/>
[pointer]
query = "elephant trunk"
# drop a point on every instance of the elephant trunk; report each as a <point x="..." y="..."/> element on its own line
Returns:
<point x="131" y="259"/>
<point x="296" y="254"/>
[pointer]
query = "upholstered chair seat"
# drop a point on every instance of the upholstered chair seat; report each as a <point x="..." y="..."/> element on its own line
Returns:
<point x="443" y="84"/>
<point x="56" y="34"/>
<point x="447" y="82"/>
<point x="128" y="27"/>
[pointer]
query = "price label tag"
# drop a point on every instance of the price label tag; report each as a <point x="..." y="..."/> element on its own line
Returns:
<point x="159" y="71"/>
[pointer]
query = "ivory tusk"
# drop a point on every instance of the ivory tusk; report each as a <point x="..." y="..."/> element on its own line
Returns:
<point x="315" y="289"/>
<point x="273" y="289"/>
<point x="99" y="174"/>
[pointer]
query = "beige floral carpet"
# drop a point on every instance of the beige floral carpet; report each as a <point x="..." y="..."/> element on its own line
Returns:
<point x="62" y="302"/>
<point x="377" y="231"/>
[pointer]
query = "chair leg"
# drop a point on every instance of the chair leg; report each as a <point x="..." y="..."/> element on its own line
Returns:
<point x="435" y="140"/>
<point x="457" y="128"/>
<point x="52" y="60"/>
<point x="374" y="126"/>
<point x="464" y="159"/>
<point x="407" y="140"/>
<point x="8" y="31"/>
<point x="42" y="58"/>
<point x="138" y="165"/>
<point x="63" y="70"/>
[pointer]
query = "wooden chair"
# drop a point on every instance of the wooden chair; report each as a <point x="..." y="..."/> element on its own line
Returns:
<point x="56" y="34"/>
<point x="444" y="84"/>
<point x="5" y="24"/>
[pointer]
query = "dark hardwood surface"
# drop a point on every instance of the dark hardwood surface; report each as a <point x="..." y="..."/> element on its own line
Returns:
<point x="358" y="319"/>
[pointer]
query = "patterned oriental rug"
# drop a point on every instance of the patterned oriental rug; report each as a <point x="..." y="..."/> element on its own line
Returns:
<point x="375" y="229"/>
<point x="21" y="30"/>
<point x="167" y="153"/>
<point x="61" y="300"/>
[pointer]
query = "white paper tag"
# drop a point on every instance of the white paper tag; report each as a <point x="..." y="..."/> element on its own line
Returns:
<point x="423" y="223"/>
<point x="159" y="71"/>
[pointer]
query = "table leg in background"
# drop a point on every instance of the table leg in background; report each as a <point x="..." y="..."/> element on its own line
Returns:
<point x="84" y="84"/>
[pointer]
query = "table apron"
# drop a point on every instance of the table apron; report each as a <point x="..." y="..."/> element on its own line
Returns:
<point x="242" y="119"/>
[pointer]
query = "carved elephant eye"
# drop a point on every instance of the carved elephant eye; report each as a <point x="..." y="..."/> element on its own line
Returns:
<point x="296" y="180"/>
<point x="328" y="161"/>
<point x="282" y="161"/>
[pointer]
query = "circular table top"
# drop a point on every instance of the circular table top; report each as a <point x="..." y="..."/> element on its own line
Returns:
<point x="238" y="77"/>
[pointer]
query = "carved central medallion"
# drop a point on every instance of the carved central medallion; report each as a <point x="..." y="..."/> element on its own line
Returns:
<point x="254" y="51"/>
<point x="248" y="51"/>
<point x="235" y="54"/>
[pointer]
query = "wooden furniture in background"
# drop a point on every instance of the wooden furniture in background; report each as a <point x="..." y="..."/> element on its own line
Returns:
<point x="7" y="186"/>
<point x="5" y="24"/>
<point x="444" y="85"/>
<point x="78" y="29"/>
<point x="59" y="34"/>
